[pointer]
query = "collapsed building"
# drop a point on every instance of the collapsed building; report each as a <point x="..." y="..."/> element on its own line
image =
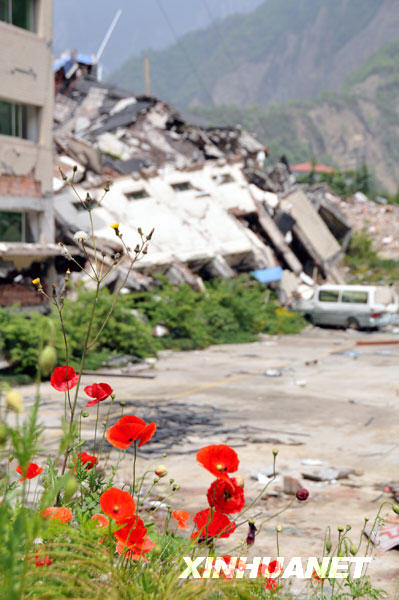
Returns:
<point x="215" y="209"/>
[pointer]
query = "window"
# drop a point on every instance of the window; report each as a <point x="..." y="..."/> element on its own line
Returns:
<point x="12" y="226"/>
<point x="19" y="120"/>
<point x="137" y="195"/>
<point x="328" y="295"/>
<point x="20" y="13"/>
<point x="183" y="186"/>
<point x="355" y="297"/>
<point x="222" y="178"/>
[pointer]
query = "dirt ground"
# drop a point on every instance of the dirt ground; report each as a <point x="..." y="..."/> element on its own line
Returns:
<point x="336" y="401"/>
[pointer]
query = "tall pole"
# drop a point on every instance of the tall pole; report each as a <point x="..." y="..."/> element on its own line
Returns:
<point x="108" y="35"/>
<point x="147" y="76"/>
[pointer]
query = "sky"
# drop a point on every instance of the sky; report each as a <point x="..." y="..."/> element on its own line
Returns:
<point x="82" y="24"/>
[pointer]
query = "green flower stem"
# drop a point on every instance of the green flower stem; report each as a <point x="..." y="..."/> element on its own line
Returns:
<point x="82" y="362"/>
<point x="275" y="515"/>
<point x="106" y="425"/>
<point x="134" y="466"/>
<point x="95" y="429"/>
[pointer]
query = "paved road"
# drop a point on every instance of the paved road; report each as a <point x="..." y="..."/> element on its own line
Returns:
<point x="338" y="400"/>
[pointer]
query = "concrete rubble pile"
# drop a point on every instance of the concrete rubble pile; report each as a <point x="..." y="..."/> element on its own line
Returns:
<point x="379" y="221"/>
<point x="215" y="210"/>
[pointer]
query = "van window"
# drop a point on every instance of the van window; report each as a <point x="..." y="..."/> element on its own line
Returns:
<point x="355" y="297"/>
<point x="328" y="295"/>
<point x="384" y="295"/>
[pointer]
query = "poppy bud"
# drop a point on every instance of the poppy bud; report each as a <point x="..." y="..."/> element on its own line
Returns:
<point x="239" y="481"/>
<point x="14" y="401"/>
<point x="275" y="451"/>
<point x="366" y="519"/>
<point x="340" y="528"/>
<point x="279" y="529"/>
<point x="395" y="508"/>
<point x="85" y="413"/>
<point x="113" y="396"/>
<point x="353" y="549"/>
<point x="175" y="487"/>
<point x="70" y="488"/>
<point x="161" y="471"/>
<point x="328" y="545"/>
<point x="348" y="527"/>
<point x="3" y="434"/>
<point x="171" y="481"/>
<point x="122" y="403"/>
<point x="47" y="360"/>
<point x="302" y="494"/>
<point x="74" y="168"/>
<point x="251" y="532"/>
<point x="164" y="455"/>
<point x="104" y="423"/>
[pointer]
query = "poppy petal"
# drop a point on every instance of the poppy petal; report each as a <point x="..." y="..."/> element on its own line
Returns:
<point x="147" y="433"/>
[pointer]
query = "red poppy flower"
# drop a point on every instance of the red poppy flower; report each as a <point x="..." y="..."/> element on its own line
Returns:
<point x="64" y="378"/>
<point x="98" y="391"/>
<point x="132" y="532"/>
<point x="32" y="470"/>
<point x="270" y="584"/>
<point x="219" y="459"/>
<point x="219" y="525"/>
<point x="117" y="504"/>
<point x="136" y="551"/>
<point x="226" y="496"/>
<point x="87" y="460"/>
<point x="58" y="513"/>
<point x="272" y="567"/>
<point x="129" y="429"/>
<point x="46" y="562"/>
<point x="100" y="520"/>
<point x="181" y="517"/>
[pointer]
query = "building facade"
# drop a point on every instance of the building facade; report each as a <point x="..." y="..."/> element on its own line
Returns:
<point x="26" y="114"/>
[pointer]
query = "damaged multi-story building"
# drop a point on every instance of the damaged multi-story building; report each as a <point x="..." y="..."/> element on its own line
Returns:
<point x="215" y="208"/>
<point x="27" y="227"/>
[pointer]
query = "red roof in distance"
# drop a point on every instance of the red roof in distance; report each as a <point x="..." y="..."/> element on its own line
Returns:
<point x="306" y="167"/>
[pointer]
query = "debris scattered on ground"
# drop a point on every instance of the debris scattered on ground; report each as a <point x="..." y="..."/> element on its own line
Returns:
<point x="328" y="474"/>
<point x="384" y="538"/>
<point x="273" y="373"/>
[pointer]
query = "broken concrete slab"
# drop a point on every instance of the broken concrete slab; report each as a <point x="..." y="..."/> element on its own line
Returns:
<point x="328" y="474"/>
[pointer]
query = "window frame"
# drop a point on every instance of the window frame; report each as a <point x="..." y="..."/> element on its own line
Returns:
<point x="25" y="121"/>
<point x="23" y="227"/>
<point x="349" y="292"/>
<point x="32" y="15"/>
<point x="336" y="301"/>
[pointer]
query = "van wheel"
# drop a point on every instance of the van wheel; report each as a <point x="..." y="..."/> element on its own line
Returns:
<point x="352" y="324"/>
<point x="309" y="319"/>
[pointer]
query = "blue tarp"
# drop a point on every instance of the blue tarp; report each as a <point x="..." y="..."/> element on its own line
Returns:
<point x="268" y="275"/>
<point x="84" y="59"/>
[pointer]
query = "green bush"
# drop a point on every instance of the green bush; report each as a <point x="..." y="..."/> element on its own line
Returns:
<point x="366" y="264"/>
<point x="229" y="311"/>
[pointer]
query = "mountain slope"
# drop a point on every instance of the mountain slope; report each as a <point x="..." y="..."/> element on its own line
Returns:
<point x="282" y="50"/>
<point x="82" y="24"/>
<point x="359" y="124"/>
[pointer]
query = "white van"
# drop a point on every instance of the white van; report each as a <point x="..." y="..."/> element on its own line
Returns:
<point x="351" y="306"/>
